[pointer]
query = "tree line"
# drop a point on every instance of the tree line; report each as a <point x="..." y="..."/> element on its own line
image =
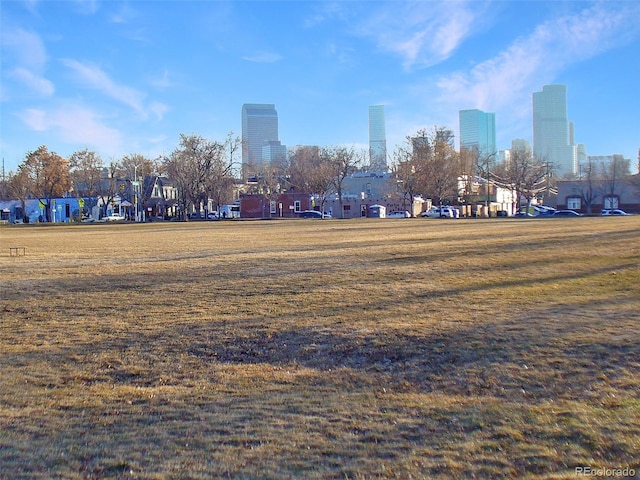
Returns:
<point x="426" y="165"/>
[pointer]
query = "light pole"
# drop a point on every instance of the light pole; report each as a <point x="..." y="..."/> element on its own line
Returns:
<point x="486" y="205"/>
<point x="135" y="192"/>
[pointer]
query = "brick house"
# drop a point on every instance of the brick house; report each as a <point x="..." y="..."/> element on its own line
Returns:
<point x="283" y="205"/>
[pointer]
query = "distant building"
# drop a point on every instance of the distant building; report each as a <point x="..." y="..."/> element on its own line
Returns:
<point x="503" y="157"/>
<point x="521" y="145"/>
<point x="259" y="126"/>
<point x="377" y="139"/>
<point x="552" y="131"/>
<point x="273" y="151"/>
<point x="478" y="132"/>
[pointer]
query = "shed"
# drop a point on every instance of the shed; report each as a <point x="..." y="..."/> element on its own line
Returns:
<point x="377" y="211"/>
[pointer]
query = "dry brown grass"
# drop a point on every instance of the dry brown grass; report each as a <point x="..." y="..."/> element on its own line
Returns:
<point x="320" y="349"/>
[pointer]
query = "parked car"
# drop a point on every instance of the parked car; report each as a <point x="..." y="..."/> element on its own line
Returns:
<point x="613" y="211"/>
<point x="440" y="212"/>
<point x="114" y="217"/>
<point x="313" y="214"/>
<point x="213" y="216"/>
<point x="544" y="210"/>
<point x="399" y="214"/>
<point x="566" y="213"/>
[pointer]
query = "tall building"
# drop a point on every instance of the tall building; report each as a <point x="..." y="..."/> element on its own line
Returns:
<point x="274" y="151"/>
<point x="478" y="131"/>
<point x="552" y="131"/>
<point x="259" y="126"/>
<point x="377" y="139"/>
<point x="521" y="145"/>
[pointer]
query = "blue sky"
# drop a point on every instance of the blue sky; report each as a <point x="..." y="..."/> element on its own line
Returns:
<point x="123" y="77"/>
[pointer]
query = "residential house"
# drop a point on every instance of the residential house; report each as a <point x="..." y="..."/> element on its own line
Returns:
<point x="281" y="205"/>
<point x="591" y="197"/>
<point x="159" y="198"/>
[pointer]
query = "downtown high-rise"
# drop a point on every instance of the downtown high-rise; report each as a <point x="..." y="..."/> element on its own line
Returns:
<point x="552" y="132"/>
<point x="377" y="139"/>
<point x="259" y="128"/>
<point x="478" y="133"/>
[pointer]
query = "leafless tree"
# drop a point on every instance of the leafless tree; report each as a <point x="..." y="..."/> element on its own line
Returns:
<point x="345" y="161"/>
<point x="441" y="172"/>
<point x="86" y="174"/>
<point x="410" y="165"/>
<point x="525" y="174"/>
<point x="191" y="167"/>
<point x="313" y="170"/>
<point x="221" y="180"/>
<point x="591" y="185"/>
<point x="46" y="175"/>
<point x="613" y="173"/>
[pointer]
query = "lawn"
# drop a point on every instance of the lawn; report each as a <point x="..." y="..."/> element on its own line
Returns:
<point x="353" y="349"/>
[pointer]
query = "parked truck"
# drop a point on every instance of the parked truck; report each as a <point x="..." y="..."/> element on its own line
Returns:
<point x="229" y="211"/>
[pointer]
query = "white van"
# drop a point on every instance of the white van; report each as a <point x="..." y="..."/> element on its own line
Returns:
<point x="229" y="211"/>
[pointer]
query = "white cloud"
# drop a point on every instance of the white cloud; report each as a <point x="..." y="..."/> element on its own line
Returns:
<point x="26" y="53"/>
<point x="158" y="109"/>
<point x="163" y="81"/>
<point x="87" y="7"/>
<point x="530" y="61"/>
<point x="75" y="125"/>
<point x="35" y="83"/>
<point x="25" y="48"/>
<point x="421" y="33"/>
<point x="93" y="77"/>
<point x="263" y="57"/>
<point x="35" y="119"/>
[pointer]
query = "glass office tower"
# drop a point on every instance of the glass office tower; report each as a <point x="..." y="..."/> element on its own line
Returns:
<point x="259" y="126"/>
<point x="552" y="133"/>
<point x="478" y="131"/>
<point x="377" y="139"/>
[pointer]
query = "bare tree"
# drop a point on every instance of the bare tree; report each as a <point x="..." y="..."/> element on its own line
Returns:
<point x="221" y="179"/>
<point x="525" y="174"/>
<point x="301" y="163"/>
<point x="613" y="174"/>
<point x="313" y="170"/>
<point x="468" y="168"/>
<point x="137" y="166"/>
<point x="86" y="173"/>
<point x="190" y="167"/>
<point x="18" y="187"/>
<point x="590" y="185"/>
<point x="46" y="175"/>
<point x="410" y="165"/>
<point x="635" y="179"/>
<point x="346" y="162"/>
<point x="442" y="167"/>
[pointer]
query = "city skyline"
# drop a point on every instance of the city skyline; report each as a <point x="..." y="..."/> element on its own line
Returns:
<point x="259" y="127"/>
<point x="553" y="137"/>
<point x="478" y="130"/>
<point x="377" y="139"/>
<point x="130" y="77"/>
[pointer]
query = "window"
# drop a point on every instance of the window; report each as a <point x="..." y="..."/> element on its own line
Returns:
<point x="611" y="202"/>
<point x="296" y="206"/>
<point x="574" y="203"/>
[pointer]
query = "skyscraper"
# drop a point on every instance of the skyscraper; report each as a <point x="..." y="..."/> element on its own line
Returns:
<point x="377" y="139"/>
<point x="478" y="131"/>
<point x="259" y="126"/>
<point x="521" y="145"/>
<point x="552" y="132"/>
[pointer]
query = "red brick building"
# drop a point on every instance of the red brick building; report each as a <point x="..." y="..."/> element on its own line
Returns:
<point x="283" y="205"/>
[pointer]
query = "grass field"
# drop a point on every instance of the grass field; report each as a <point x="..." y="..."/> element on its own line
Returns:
<point x="354" y="349"/>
